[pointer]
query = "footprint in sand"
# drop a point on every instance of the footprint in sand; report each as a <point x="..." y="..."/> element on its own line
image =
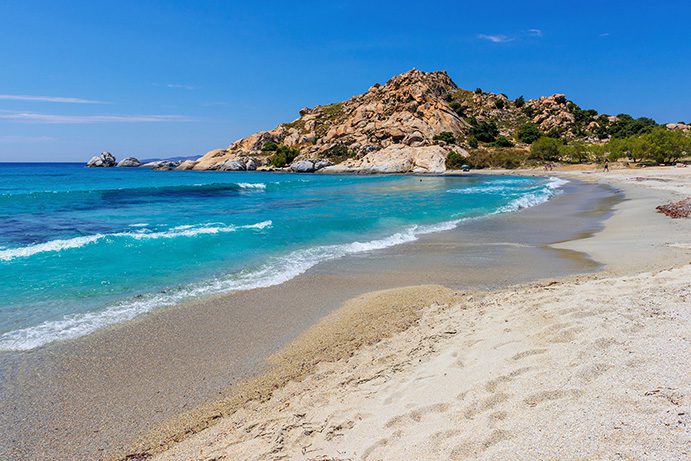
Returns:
<point x="528" y="353"/>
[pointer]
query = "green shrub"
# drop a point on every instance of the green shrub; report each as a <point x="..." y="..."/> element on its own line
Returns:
<point x="519" y="101"/>
<point x="472" y="142"/>
<point x="545" y="149"/>
<point x="478" y="90"/>
<point x="499" y="103"/>
<point x="445" y="136"/>
<point x="485" y="131"/>
<point x="454" y="161"/>
<point x="502" y="141"/>
<point x="339" y="153"/>
<point x="458" y="108"/>
<point x="269" y="146"/>
<point x="528" y="133"/>
<point x="283" y="156"/>
<point x="497" y="158"/>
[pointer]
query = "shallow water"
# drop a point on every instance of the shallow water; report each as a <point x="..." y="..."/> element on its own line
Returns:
<point x="84" y="248"/>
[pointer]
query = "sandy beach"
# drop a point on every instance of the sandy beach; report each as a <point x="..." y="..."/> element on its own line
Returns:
<point x="581" y="367"/>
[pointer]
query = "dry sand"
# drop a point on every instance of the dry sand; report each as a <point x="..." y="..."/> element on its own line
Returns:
<point x="589" y="367"/>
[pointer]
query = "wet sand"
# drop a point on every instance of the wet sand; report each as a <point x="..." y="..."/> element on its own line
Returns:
<point x="91" y="398"/>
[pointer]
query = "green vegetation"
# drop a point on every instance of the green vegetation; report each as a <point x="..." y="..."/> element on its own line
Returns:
<point x="478" y="90"/>
<point x="499" y="103"/>
<point x="497" y="158"/>
<point x="339" y="153"/>
<point x="502" y="141"/>
<point x="659" y="145"/>
<point x="472" y="141"/>
<point x="485" y="131"/>
<point x="545" y="149"/>
<point x="283" y="156"/>
<point x="627" y="126"/>
<point x="454" y="161"/>
<point x="528" y="133"/>
<point x="519" y="101"/>
<point x="269" y="146"/>
<point x="445" y="136"/>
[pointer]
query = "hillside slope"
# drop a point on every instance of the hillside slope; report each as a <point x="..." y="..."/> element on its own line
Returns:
<point x="410" y="124"/>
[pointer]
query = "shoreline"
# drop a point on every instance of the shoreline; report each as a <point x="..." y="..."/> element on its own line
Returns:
<point x="144" y="373"/>
<point x="229" y="438"/>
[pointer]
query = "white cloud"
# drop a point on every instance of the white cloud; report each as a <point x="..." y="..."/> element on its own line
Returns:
<point x="604" y="35"/>
<point x="535" y="32"/>
<point x="180" y="85"/>
<point x="495" y="38"/>
<point x="60" y="99"/>
<point x="33" y="117"/>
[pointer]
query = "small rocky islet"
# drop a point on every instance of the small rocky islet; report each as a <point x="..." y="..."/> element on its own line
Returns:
<point x="416" y="122"/>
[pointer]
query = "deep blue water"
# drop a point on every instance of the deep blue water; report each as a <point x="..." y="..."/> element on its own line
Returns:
<point x="84" y="248"/>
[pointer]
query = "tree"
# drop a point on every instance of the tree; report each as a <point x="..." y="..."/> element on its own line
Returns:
<point x="528" y="133"/>
<point x="269" y="146"/>
<point x="478" y="90"/>
<point x="485" y="131"/>
<point x="519" y="101"/>
<point x="626" y="126"/>
<point x="499" y="103"/>
<point x="283" y="156"/>
<point x="545" y="149"/>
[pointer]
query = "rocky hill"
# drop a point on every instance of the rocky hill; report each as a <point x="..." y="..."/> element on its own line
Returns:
<point x="410" y="124"/>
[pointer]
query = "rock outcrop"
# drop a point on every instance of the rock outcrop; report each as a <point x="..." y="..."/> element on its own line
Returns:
<point x="162" y="165"/>
<point x="410" y="124"/>
<point x="129" y="162"/>
<point x="104" y="159"/>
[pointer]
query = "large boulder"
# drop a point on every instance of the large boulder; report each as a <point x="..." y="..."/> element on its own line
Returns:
<point x="161" y="165"/>
<point x="186" y="165"/>
<point x="233" y="165"/>
<point x="303" y="166"/>
<point x="105" y="159"/>
<point x="129" y="162"/>
<point x="398" y="158"/>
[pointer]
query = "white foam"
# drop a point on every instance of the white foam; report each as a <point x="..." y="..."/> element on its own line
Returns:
<point x="276" y="271"/>
<point x="539" y="197"/>
<point x="7" y="254"/>
<point x="50" y="246"/>
<point x="247" y="185"/>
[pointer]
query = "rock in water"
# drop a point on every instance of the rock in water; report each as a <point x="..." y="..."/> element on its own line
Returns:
<point x="129" y="162"/>
<point x="161" y="165"/>
<point x="233" y="165"/>
<point x="105" y="159"/>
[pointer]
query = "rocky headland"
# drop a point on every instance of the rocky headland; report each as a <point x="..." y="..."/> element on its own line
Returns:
<point x="419" y="122"/>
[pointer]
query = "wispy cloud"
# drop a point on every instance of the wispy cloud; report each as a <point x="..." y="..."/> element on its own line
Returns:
<point x="535" y="32"/>
<point x="604" y="35"/>
<point x="498" y="38"/>
<point x="182" y="86"/>
<point x="59" y="99"/>
<point x="33" y="117"/>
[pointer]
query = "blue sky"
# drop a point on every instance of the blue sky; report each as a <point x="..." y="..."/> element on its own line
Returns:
<point x="156" y="78"/>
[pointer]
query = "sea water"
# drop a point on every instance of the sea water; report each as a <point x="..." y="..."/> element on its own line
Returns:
<point x="84" y="248"/>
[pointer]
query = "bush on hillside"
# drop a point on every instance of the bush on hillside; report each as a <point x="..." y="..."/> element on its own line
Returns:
<point x="519" y="101"/>
<point x="283" y="156"/>
<point x="486" y="131"/>
<point x="454" y="161"/>
<point x="445" y="136"/>
<point x="502" y="141"/>
<point x="269" y="146"/>
<point x="528" y="133"/>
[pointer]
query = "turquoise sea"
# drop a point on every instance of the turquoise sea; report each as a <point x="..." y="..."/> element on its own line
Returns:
<point x="84" y="248"/>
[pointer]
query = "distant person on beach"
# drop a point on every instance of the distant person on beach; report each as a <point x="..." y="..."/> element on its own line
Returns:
<point x="605" y="169"/>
